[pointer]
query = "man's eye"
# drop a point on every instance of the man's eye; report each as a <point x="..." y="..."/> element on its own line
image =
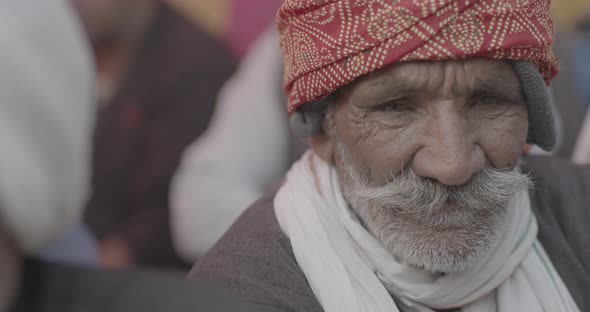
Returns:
<point x="399" y="105"/>
<point x="489" y="100"/>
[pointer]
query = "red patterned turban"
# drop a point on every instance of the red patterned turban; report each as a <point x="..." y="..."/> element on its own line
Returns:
<point x="327" y="44"/>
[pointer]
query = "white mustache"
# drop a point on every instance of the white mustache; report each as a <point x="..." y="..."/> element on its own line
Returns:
<point x="409" y="193"/>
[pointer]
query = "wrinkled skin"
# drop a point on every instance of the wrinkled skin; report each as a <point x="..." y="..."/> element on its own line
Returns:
<point x="446" y="121"/>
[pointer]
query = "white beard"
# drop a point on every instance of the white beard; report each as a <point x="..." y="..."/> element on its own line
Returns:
<point x="428" y="225"/>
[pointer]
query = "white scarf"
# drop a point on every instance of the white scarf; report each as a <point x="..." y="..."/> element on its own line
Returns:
<point x="349" y="270"/>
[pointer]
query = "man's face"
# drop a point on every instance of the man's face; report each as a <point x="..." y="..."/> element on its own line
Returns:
<point x="425" y="153"/>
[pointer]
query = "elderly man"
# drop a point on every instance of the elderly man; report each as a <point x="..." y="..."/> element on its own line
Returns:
<point x="413" y="196"/>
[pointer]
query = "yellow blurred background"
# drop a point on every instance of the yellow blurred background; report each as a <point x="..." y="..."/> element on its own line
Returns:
<point x="567" y="12"/>
<point x="214" y="14"/>
<point x="210" y="14"/>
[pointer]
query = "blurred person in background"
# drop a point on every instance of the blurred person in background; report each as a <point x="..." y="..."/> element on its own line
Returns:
<point x="158" y="76"/>
<point x="213" y="186"/>
<point x="249" y="107"/>
<point x="582" y="57"/>
<point x="46" y="120"/>
<point x="46" y="117"/>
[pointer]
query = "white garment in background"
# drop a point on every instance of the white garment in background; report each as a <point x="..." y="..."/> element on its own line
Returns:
<point x="245" y="149"/>
<point x="582" y="148"/>
<point x="46" y="120"/>
<point x="350" y="271"/>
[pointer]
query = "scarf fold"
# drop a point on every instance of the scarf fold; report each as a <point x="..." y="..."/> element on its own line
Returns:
<point x="349" y="270"/>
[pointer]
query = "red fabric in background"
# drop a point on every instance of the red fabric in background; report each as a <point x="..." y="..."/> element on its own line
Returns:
<point x="247" y="20"/>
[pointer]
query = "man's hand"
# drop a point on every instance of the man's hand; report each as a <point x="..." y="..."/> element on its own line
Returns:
<point x="115" y="253"/>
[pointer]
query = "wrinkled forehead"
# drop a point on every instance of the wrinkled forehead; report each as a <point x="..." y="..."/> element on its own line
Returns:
<point x="452" y="77"/>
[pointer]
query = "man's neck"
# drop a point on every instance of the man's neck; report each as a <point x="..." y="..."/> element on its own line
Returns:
<point x="11" y="262"/>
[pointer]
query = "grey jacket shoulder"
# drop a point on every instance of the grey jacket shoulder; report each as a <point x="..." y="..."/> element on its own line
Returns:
<point x="52" y="287"/>
<point x="254" y="259"/>
<point x="561" y="203"/>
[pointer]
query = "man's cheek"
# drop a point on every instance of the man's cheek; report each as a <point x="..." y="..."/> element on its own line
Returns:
<point x="503" y="144"/>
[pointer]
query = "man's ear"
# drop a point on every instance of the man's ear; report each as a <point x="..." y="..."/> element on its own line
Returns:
<point x="323" y="146"/>
<point x="309" y="121"/>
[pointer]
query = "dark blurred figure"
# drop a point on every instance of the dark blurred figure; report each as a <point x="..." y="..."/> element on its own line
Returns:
<point x="46" y="119"/>
<point x="158" y="79"/>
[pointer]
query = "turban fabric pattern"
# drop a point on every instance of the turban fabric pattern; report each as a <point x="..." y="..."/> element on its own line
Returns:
<point x="329" y="43"/>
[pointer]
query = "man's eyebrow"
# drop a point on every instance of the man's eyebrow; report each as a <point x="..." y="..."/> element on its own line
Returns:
<point x="499" y="85"/>
<point x="505" y="87"/>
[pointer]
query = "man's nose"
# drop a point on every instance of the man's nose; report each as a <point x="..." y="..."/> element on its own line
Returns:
<point x="451" y="154"/>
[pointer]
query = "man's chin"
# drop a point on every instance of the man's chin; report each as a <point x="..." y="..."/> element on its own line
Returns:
<point x="439" y="260"/>
<point x="445" y="250"/>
